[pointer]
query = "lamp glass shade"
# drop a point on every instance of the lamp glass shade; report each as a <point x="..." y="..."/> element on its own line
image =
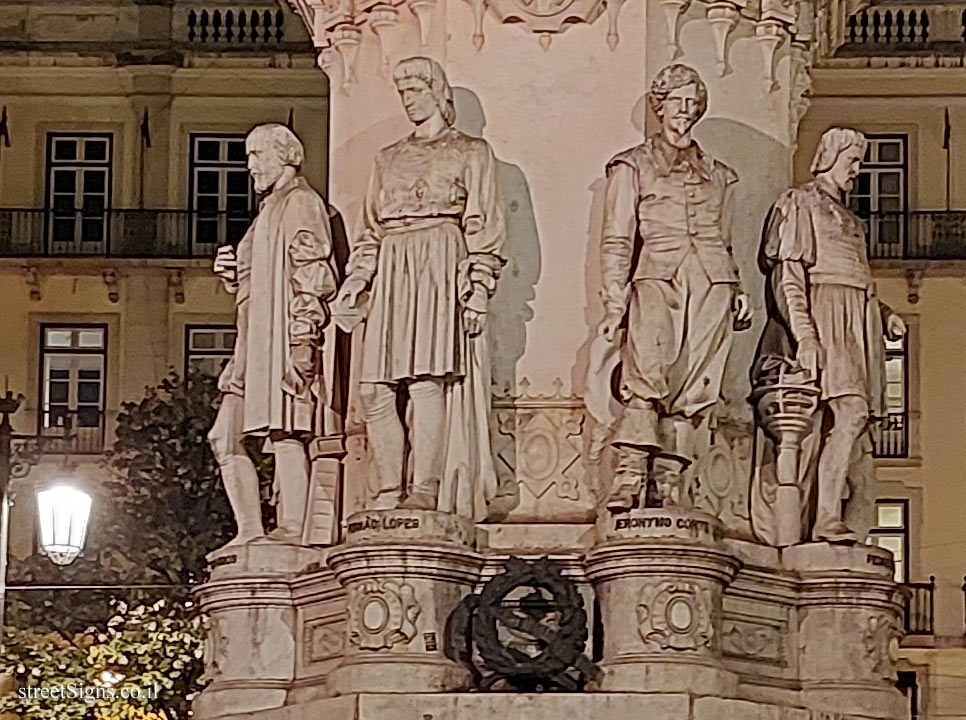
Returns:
<point x="64" y="512"/>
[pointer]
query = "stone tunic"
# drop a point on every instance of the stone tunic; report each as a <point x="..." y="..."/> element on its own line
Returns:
<point x="667" y="206"/>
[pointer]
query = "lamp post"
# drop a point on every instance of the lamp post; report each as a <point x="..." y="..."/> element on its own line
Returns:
<point x="63" y="511"/>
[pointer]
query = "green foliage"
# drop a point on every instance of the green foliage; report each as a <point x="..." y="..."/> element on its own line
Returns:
<point x="156" y="649"/>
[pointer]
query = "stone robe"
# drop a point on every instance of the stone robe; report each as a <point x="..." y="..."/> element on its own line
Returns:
<point x="286" y="273"/>
<point x="432" y="246"/>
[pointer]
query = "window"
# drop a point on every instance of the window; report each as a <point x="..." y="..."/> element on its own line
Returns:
<point x="221" y="192"/>
<point x="73" y="361"/>
<point x="208" y="347"/>
<point x="879" y="194"/>
<point x="890" y="435"/>
<point x="891" y="532"/>
<point x="78" y="193"/>
<point x="908" y="684"/>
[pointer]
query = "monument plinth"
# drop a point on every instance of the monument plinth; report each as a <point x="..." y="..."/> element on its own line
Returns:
<point x="404" y="572"/>
<point x="659" y="575"/>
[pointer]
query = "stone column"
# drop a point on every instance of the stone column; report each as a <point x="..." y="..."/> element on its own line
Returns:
<point x="251" y="635"/>
<point x="404" y="572"/>
<point x="849" y="629"/>
<point x="659" y="575"/>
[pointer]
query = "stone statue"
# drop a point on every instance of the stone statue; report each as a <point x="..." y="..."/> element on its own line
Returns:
<point x="825" y="332"/>
<point x="671" y="292"/>
<point x="430" y="255"/>
<point x="282" y="274"/>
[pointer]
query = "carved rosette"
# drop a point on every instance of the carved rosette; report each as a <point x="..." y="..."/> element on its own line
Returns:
<point x="382" y="614"/>
<point x="675" y="615"/>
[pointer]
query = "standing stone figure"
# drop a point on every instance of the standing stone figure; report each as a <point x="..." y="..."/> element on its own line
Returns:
<point x="282" y="274"/>
<point x="431" y="254"/>
<point x="668" y="276"/>
<point x="826" y="323"/>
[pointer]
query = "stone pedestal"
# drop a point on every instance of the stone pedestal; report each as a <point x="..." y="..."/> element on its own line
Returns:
<point x="404" y="572"/>
<point x="850" y="626"/>
<point x="251" y="642"/>
<point x="659" y="575"/>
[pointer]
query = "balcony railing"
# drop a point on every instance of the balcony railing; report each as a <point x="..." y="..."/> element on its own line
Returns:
<point x="890" y="436"/>
<point x="920" y="607"/>
<point x="917" y="235"/>
<point x="231" y="27"/>
<point x="897" y="27"/>
<point x="78" y="432"/>
<point x="117" y="233"/>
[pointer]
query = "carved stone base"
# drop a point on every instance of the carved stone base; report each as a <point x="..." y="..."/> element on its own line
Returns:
<point x="659" y="575"/>
<point x="851" y="623"/>
<point x="404" y="572"/>
<point x="251" y="643"/>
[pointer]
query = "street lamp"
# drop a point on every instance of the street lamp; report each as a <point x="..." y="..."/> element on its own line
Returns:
<point x="64" y="511"/>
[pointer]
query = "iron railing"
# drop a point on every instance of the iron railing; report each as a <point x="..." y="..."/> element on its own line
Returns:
<point x="117" y="233"/>
<point x="920" y="607"/>
<point x="917" y="235"/>
<point x="77" y="432"/>
<point x="890" y="436"/>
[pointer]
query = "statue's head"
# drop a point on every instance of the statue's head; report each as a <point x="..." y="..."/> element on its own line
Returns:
<point x="424" y="90"/>
<point x="272" y="148"/>
<point x="839" y="157"/>
<point x="678" y="97"/>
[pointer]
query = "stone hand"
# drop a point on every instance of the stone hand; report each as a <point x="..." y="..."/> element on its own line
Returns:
<point x="301" y="366"/>
<point x="473" y="321"/>
<point x="811" y="356"/>
<point x="742" y="312"/>
<point x="350" y="291"/>
<point x="895" y="327"/>
<point x="609" y="325"/>
<point x="226" y="264"/>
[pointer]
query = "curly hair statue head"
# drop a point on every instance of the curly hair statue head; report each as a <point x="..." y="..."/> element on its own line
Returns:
<point x="431" y="73"/>
<point x="834" y="142"/>
<point x="671" y="78"/>
<point x="281" y="138"/>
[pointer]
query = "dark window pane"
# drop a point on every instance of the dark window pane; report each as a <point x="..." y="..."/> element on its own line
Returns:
<point x="89" y="392"/>
<point x="63" y="205"/>
<point x="236" y="151"/>
<point x="207" y="205"/>
<point x="863" y="184"/>
<point x="207" y="150"/>
<point x="94" y="181"/>
<point x="88" y="416"/>
<point x="202" y="340"/>
<point x="207" y="182"/>
<point x="58" y="392"/>
<point x="65" y="150"/>
<point x="92" y="231"/>
<point x="862" y="206"/>
<point x="890" y="152"/>
<point x="89" y="375"/>
<point x="236" y="231"/>
<point x="59" y="374"/>
<point x="95" y="150"/>
<point x="56" y="416"/>
<point x="889" y="183"/>
<point x="237" y="206"/>
<point x="63" y="231"/>
<point x="206" y="231"/>
<point x="93" y="205"/>
<point x="238" y="183"/>
<point x="228" y="340"/>
<point x="64" y="181"/>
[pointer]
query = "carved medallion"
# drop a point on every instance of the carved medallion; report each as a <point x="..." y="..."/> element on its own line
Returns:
<point x="675" y="616"/>
<point x="382" y="614"/>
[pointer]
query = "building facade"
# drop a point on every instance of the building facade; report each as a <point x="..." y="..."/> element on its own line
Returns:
<point x="122" y="168"/>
